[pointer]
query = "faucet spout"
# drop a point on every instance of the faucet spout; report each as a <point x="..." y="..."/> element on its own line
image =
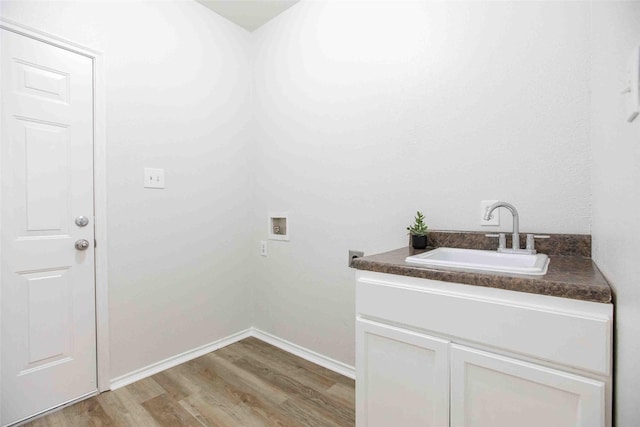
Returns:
<point x="515" y="240"/>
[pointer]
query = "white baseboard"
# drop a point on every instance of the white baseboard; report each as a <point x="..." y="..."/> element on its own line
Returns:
<point x="305" y="353"/>
<point x="311" y="356"/>
<point x="170" y="362"/>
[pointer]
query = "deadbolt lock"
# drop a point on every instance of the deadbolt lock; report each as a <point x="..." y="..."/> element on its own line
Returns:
<point x="82" y="221"/>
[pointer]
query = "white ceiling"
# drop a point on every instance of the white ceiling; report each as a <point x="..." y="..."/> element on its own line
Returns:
<point x="249" y="14"/>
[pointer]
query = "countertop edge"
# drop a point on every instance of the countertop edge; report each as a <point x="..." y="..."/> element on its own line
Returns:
<point x="594" y="286"/>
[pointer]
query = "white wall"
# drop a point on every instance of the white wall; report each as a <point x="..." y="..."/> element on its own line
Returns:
<point x="179" y="98"/>
<point x="616" y="198"/>
<point x="360" y="118"/>
<point x="366" y="113"/>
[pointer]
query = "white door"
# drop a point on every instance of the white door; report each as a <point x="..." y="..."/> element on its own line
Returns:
<point x="402" y="377"/>
<point x="488" y="390"/>
<point x="47" y="292"/>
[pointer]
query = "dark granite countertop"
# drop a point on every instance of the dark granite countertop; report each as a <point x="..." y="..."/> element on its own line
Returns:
<point x="574" y="277"/>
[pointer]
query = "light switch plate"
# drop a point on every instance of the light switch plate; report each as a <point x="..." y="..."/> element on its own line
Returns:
<point x="495" y="216"/>
<point x="153" y="178"/>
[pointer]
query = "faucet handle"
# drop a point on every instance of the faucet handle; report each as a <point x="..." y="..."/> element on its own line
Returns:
<point x="531" y="242"/>
<point x="502" y="239"/>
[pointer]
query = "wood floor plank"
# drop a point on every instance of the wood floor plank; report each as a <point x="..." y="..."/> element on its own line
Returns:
<point x="88" y="413"/>
<point x="269" y="357"/>
<point x="230" y="373"/>
<point x="248" y="384"/>
<point x="55" y="419"/>
<point x="217" y="395"/>
<point x="331" y="408"/>
<point x="308" y="415"/>
<point x="294" y="360"/>
<point x="225" y="415"/>
<point x="234" y="388"/>
<point x="85" y="413"/>
<point x="343" y="393"/>
<point x="173" y="384"/>
<point x="145" y="389"/>
<point x="122" y="406"/>
<point x="208" y="413"/>
<point x="167" y="412"/>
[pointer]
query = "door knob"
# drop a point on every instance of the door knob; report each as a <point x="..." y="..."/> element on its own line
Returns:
<point x="82" y="221"/>
<point x="82" y="244"/>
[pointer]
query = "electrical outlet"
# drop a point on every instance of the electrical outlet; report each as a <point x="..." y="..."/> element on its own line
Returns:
<point x="353" y="254"/>
<point x="495" y="216"/>
<point x="153" y="178"/>
<point x="263" y="247"/>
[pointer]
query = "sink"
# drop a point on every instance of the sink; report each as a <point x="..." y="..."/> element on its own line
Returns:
<point x="473" y="259"/>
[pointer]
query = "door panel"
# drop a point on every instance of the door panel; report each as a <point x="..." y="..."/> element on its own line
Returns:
<point x="48" y="292"/>
<point x="46" y="183"/>
<point x="47" y="317"/>
<point x="40" y="81"/>
<point x="489" y="390"/>
<point x="402" y="377"/>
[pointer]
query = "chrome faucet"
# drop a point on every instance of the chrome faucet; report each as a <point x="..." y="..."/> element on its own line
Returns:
<point x="515" y="239"/>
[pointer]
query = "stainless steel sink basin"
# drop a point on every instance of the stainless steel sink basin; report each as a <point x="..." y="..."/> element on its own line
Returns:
<point x="472" y="259"/>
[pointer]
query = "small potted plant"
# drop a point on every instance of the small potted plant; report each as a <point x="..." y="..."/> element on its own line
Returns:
<point x="418" y="232"/>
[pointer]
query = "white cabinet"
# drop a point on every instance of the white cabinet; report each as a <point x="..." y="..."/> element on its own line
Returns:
<point x="430" y="354"/>
<point x="403" y="377"/>
<point x="489" y="390"/>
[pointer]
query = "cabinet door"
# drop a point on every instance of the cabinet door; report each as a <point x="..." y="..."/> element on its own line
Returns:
<point x="488" y="390"/>
<point x="402" y="377"/>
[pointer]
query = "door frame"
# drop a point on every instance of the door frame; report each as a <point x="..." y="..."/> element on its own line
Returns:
<point x="99" y="190"/>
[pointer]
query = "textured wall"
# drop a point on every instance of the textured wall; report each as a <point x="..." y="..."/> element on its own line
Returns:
<point x="366" y="113"/>
<point x="178" y="97"/>
<point x="616" y="199"/>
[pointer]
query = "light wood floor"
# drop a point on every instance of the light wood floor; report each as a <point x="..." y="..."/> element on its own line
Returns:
<point x="249" y="383"/>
